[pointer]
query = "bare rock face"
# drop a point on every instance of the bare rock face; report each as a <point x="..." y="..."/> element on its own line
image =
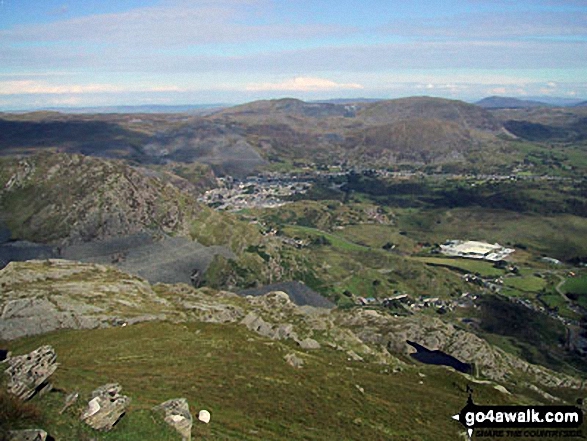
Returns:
<point x="28" y="374"/>
<point x="177" y="414"/>
<point x="27" y="435"/>
<point x="106" y="407"/>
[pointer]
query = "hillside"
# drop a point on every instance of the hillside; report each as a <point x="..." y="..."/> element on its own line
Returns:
<point x="58" y="198"/>
<point x="414" y="141"/>
<point x="465" y="115"/>
<point x="561" y="125"/>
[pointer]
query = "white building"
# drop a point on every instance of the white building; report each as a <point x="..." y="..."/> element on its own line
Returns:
<point x="475" y="250"/>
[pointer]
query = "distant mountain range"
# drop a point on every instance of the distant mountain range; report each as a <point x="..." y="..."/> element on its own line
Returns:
<point x="242" y="139"/>
<point x="499" y="102"/>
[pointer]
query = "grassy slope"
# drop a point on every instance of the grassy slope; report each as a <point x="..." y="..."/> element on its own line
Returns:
<point x="558" y="236"/>
<point x="250" y="391"/>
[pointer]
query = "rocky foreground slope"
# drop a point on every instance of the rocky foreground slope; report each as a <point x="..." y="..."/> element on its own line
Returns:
<point x="43" y="296"/>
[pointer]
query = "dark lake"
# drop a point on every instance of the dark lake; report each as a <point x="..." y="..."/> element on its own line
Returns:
<point x="425" y="355"/>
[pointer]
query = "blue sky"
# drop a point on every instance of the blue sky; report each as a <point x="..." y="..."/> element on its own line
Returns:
<point x="88" y="53"/>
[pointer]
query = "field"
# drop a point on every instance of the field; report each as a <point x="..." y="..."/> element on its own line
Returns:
<point x="484" y="269"/>
<point x="527" y="283"/>
<point x="576" y="288"/>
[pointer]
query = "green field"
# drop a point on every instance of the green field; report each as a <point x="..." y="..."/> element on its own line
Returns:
<point x="484" y="269"/>
<point x="576" y="288"/>
<point x="526" y="283"/>
<point x="577" y="285"/>
<point x="335" y="240"/>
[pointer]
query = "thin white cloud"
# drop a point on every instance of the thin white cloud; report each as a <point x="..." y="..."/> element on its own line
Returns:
<point x="40" y="87"/>
<point x="302" y="84"/>
<point x="178" y="24"/>
<point x="494" y="25"/>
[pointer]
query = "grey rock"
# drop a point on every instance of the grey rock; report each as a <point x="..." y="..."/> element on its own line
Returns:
<point x="309" y="343"/>
<point x="177" y="414"/>
<point x="275" y="332"/>
<point x="354" y="356"/>
<point x="70" y="400"/>
<point x="293" y="360"/>
<point x="106" y="407"/>
<point x="28" y="374"/>
<point x="27" y="435"/>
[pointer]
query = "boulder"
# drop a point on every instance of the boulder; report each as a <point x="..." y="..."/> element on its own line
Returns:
<point x="176" y="413"/>
<point x="280" y="331"/>
<point x="28" y="374"/>
<point x="27" y="435"/>
<point x="309" y="343"/>
<point x="106" y="407"/>
<point x="293" y="360"/>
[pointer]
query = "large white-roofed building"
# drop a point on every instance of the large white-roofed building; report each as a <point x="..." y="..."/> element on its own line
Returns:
<point x="472" y="249"/>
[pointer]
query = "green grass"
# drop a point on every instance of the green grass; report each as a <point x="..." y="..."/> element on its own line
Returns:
<point x="376" y="236"/>
<point x="485" y="269"/>
<point x="527" y="283"/>
<point x="577" y="285"/>
<point x="576" y="288"/>
<point x="335" y="240"/>
<point x="251" y="392"/>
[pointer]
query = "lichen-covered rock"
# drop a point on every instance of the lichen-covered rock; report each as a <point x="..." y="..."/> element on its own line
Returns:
<point x="280" y="331"/>
<point x="27" y="435"/>
<point x="106" y="407"/>
<point x="293" y="360"/>
<point x="176" y="413"/>
<point x="309" y="343"/>
<point x="28" y="374"/>
<point x="44" y="296"/>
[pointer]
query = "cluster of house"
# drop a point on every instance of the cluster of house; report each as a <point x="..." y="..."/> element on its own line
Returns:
<point x="400" y="300"/>
<point x="254" y="192"/>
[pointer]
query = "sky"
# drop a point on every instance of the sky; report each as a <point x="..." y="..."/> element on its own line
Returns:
<point x="59" y="53"/>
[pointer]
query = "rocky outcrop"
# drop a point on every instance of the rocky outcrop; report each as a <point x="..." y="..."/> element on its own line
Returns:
<point x="44" y="296"/>
<point x="106" y="407"/>
<point x="176" y="413"/>
<point x="282" y="331"/>
<point x="29" y="374"/>
<point x="393" y="332"/>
